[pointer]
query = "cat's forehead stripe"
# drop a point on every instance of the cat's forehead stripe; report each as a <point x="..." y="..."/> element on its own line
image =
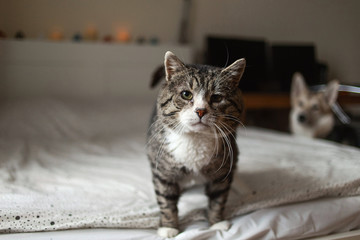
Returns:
<point x="196" y="78"/>
<point x="201" y="78"/>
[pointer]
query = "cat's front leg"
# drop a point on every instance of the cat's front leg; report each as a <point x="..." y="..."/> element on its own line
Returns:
<point x="218" y="192"/>
<point x="167" y="196"/>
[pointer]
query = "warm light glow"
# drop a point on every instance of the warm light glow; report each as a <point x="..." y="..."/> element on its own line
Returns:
<point x="91" y="33"/>
<point x="56" y="35"/>
<point x="123" y="35"/>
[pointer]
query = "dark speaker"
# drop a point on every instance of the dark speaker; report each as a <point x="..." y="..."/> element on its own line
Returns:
<point x="288" y="59"/>
<point x="222" y="51"/>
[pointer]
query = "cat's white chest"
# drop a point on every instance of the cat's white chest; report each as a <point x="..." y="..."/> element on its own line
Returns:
<point x="192" y="150"/>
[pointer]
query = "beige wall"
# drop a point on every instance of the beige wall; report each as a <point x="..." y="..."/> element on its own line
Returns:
<point x="2" y="17"/>
<point x="333" y="25"/>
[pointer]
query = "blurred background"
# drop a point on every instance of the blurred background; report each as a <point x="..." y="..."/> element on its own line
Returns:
<point x="111" y="47"/>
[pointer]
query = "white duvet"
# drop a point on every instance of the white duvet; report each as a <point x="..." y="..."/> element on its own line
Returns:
<point x="82" y="164"/>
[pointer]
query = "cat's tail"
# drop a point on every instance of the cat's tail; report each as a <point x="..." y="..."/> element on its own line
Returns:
<point x="157" y="76"/>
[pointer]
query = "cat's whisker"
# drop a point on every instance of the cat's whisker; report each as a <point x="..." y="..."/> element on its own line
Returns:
<point x="216" y="141"/>
<point x="159" y="153"/>
<point x="223" y="136"/>
<point x="161" y="148"/>
<point x="160" y="128"/>
<point x="179" y="128"/>
<point x="231" y="153"/>
<point x="157" y="132"/>
<point x="230" y="117"/>
<point x="152" y="125"/>
<point x="228" y="129"/>
<point x="223" y="144"/>
<point x="215" y="151"/>
<point x="234" y="137"/>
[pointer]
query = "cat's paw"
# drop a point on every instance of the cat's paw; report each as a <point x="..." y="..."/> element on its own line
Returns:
<point x="223" y="225"/>
<point x="167" y="232"/>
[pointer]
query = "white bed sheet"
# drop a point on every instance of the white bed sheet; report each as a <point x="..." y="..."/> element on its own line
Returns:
<point x="294" y="221"/>
<point x="69" y="165"/>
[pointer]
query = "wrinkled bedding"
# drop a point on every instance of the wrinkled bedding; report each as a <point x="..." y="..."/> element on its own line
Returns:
<point x="67" y="164"/>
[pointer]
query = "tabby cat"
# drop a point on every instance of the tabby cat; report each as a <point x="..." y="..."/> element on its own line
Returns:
<point x="192" y="136"/>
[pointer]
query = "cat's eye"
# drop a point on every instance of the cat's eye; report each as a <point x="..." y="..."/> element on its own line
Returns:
<point x="186" y="95"/>
<point x="216" y="98"/>
<point x="301" y="104"/>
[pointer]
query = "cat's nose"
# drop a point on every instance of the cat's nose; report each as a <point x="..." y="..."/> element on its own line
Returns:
<point x="301" y="118"/>
<point x="200" y="112"/>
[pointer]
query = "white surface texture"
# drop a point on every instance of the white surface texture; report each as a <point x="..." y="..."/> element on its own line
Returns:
<point x="71" y="165"/>
<point x="68" y="69"/>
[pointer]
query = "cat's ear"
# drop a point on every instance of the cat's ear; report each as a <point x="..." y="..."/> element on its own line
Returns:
<point x="172" y="65"/>
<point x="298" y="86"/>
<point x="331" y="92"/>
<point x="235" y="71"/>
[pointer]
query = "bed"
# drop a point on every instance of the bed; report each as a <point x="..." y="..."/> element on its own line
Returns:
<point x="75" y="168"/>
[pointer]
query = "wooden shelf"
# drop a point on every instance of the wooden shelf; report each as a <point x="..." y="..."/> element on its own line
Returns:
<point x="254" y="101"/>
<point x="345" y="98"/>
<point x="264" y="101"/>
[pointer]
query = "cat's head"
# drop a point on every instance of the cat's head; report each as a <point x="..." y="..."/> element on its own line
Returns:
<point x="201" y="99"/>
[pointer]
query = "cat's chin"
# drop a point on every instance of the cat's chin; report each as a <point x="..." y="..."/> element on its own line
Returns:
<point x="199" y="127"/>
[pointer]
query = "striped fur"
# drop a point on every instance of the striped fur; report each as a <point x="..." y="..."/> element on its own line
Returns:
<point x="192" y="135"/>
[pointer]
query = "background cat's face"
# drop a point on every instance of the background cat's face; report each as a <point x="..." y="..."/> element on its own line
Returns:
<point x="201" y="99"/>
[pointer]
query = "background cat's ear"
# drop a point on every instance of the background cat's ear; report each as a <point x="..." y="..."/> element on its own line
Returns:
<point x="172" y="65"/>
<point x="331" y="92"/>
<point x="235" y="70"/>
<point x="298" y="86"/>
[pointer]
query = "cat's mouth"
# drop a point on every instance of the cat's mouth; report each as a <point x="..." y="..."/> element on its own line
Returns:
<point x="199" y="126"/>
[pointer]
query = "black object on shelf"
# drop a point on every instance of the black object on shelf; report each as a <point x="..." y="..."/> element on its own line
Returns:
<point x="221" y="52"/>
<point x="268" y="68"/>
<point x="288" y="59"/>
